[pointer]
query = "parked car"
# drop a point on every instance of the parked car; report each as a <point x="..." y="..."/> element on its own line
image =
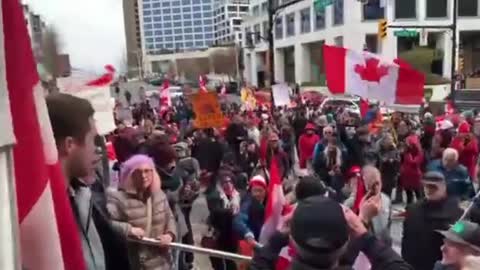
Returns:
<point x="349" y="102"/>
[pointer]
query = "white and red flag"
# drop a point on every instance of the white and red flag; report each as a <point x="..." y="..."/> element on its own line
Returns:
<point x="275" y="203"/>
<point x="369" y="76"/>
<point x="48" y="234"/>
<point x="203" y="84"/>
<point x="165" y="98"/>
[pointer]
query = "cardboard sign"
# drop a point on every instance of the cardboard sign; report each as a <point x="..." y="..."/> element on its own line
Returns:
<point x="208" y="113"/>
<point x="281" y="95"/>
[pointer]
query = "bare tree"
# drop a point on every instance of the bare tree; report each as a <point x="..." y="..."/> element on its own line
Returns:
<point x="50" y="50"/>
<point x="123" y="64"/>
<point x="193" y="67"/>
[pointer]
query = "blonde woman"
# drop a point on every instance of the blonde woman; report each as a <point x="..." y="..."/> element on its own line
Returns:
<point x="140" y="209"/>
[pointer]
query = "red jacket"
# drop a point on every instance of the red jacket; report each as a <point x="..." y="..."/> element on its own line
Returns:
<point x="411" y="168"/>
<point x="306" y="145"/>
<point x="467" y="153"/>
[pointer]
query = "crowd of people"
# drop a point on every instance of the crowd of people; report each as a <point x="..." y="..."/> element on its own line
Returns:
<point x="341" y="173"/>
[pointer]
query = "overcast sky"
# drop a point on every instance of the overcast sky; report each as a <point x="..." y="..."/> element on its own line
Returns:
<point x="91" y="31"/>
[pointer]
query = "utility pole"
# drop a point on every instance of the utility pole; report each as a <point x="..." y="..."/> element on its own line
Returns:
<point x="454" y="50"/>
<point x="271" y="47"/>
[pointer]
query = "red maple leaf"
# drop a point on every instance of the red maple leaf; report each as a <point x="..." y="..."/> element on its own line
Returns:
<point x="372" y="71"/>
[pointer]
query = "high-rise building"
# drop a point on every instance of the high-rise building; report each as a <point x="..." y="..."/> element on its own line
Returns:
<point x="132" y="35"/>
<point x="176" y="25"/>
<point x="228" y="18"/>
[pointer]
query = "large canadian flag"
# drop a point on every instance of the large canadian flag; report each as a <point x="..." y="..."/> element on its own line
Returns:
<point x="48" y="234"/>
<point x="369" y="76"/>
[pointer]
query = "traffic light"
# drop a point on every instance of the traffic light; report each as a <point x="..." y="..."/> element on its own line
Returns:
<point x="382" y="29"/>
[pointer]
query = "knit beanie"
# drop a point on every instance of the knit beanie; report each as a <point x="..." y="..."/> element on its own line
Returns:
<point x="133" y="163"/>
<point x="258" y="181"/>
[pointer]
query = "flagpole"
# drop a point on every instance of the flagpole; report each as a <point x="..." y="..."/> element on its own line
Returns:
<point x="9" y="247"/>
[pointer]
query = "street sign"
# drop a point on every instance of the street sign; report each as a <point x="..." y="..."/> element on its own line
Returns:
<point x="320" y="5"/>
<point x="406" y="33"/>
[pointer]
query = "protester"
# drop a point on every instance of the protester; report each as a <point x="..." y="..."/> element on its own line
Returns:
<point x="223" y="204"/>
<point x="421" y="243"/>
<point x="320" y="241"/>
<point x="141" y="208"/>
<point x="456" y="175"/>
<point x="74" y="132"/>
<point x="306" y="145"/>
<point x="274" y="151"/>
<point x="411" y="170"/>
<point x="389" y="164"/>
<point x="467" y="147"/>
<point x="461" y="240"/>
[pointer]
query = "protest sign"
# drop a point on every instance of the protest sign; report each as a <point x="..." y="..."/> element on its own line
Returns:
<point x="99" y="97"/>
<point x="281" y="95"/>
<point x="207" y="110"/>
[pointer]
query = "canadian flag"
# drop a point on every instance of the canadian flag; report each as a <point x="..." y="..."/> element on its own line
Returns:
<point x="48" y="233"/>
<point x="275" y="203"/>
<point x="367" y="75"/>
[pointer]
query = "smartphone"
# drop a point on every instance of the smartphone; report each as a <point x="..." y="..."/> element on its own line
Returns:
<point x="373" y="191"/>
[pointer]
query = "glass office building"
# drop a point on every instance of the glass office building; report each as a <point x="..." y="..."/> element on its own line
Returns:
<point x="177" y="25"/>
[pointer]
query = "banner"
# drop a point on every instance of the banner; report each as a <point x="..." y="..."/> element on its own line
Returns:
<point x="281" y="95"/>
<point x="102" y="103"/>
<point x="208" y="113"/>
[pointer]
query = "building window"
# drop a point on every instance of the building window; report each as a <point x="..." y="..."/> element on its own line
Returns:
<point x="264" y="8"/>
<point x="157" y="19"/>
<point x="290" y="24"/>
<point x="198" y="36"/>
<point x="149" y="40"/>
<point x="232" y="8"/>
<point x="265" y="29"/>
<point x="168" y="31"/>
<point x="147" y="12"/>
<point x="255" y="11"/>
<point x="243" y="9"/>
<point x="166" y="4"/>
<point x="187" y="16"/>
<point x="207" y="8"/>
<point x="209" y="36"/>
<point x="189" y="44"/>
<point x="305" y="20"/>
<point x="156" y="5"/>
<point x="157" y="25"/>
<point x="198" y="2"/>
<point x="177" y="24"/>
<point x="208" y="29"/>
<point x="279" y="28"/>
<point x="167" y="18"/>
<point x="188" y="30"/>
<point x="185" y="2"/>
<point x="177" y="17"/>
<point x="405" y="9"/>
<point x="148" y="33"/>
<point x="158" y="39"/>
<point x="373" y="10"/>
<point x="158" y="33"/>
<point x="176" y="3"/>
<point x="371" y="43"/>
<point x="208" y="22"/>
<point x="338" y="12"/>
<point x="319" y="19"/>
<point x="167" y="25"/>
<point x="468" y="8"/>
<point x="149" y="19"/>
<point x="187" y="23"/>
<point x="175" y="10"/>
<point x="169" y="38"/>
<point x="256" y="30"/>
<point x="177" y="38"/>
<point x="436" y="8"/>
<point x="198" y="30"/>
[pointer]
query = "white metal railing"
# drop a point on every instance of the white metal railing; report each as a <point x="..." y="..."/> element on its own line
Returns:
<point x="195" y="249"/>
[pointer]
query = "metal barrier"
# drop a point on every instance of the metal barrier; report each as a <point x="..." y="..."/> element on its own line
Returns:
<point x="195" y="249"/>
